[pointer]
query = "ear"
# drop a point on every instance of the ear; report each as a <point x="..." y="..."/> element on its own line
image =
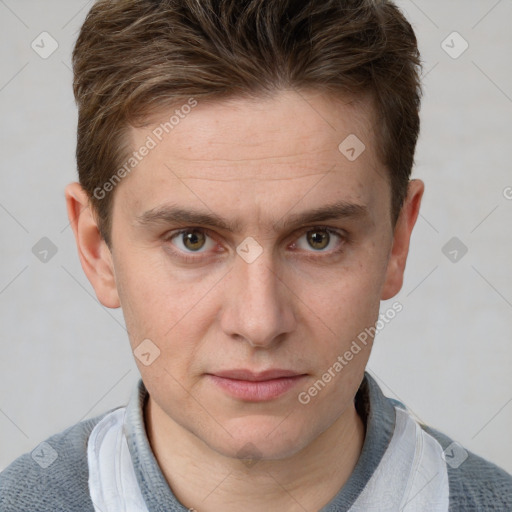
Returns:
<point x="94" y="253"/>
<point x="401" y="238"/>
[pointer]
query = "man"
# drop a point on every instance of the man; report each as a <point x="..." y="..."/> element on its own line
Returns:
<point x="245" y="197"/>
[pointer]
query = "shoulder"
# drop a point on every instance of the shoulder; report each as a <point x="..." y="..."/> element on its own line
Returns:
<point x="54" y="476"/>
<point x="475" y="483"/>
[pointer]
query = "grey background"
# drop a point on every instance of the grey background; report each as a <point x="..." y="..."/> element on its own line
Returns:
<point x="447" y="355"/>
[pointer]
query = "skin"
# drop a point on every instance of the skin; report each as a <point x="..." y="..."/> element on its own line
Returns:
<point x="295" y="307"/>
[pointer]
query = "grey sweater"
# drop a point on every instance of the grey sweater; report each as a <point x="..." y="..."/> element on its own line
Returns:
<point x="54" y="476"/>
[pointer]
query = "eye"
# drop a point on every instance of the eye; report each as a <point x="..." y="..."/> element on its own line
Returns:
<point x="320" y="240"/>
<point x="192" y="240"/>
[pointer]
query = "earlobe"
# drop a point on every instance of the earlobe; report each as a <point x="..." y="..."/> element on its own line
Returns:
<point x="95" y="256"/>
<point x="401" y="239"/>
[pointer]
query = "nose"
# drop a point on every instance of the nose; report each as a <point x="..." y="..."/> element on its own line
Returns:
<point x="258" y="304"/>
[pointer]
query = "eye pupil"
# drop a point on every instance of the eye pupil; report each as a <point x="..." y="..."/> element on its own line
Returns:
<point x="318" y="239"/>
<point x="193" y="240"/>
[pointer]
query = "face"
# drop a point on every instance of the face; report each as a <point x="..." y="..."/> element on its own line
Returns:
<point x="252" y="252"/>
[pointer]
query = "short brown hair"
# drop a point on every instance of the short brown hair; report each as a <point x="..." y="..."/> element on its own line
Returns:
<point x="133" y="57"/>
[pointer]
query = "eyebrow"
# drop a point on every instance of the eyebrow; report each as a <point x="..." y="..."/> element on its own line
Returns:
<point x="173" y="214"/>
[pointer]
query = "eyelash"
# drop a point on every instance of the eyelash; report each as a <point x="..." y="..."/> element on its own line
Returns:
<point x="344" y="239"/>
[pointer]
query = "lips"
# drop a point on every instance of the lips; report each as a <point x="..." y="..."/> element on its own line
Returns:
<point x="248" y="375"/>
<point x="250" y="386"/>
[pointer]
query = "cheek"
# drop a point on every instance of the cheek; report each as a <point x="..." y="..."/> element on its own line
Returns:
<point x="161" y="307"/>
<point x="140" y="292"/>
<point x="153" y="296"/>
<point x="350" y="295"/>
<point x="345" y="307"/>
<point x="347" y="310"/>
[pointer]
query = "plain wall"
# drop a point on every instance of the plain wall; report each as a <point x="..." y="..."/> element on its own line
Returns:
<point x="447" y="355"/>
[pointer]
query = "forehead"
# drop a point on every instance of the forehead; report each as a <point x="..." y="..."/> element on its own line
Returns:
<point x="232" y="128"/>
<point x="279" y="145"/>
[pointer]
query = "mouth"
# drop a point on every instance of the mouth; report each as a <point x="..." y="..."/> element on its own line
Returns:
<point x="251" y="386"/>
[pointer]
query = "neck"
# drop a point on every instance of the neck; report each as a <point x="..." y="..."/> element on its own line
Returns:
<point x="207" y="481"/>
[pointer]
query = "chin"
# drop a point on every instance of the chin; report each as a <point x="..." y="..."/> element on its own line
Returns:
<point x="257" y="439"/>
